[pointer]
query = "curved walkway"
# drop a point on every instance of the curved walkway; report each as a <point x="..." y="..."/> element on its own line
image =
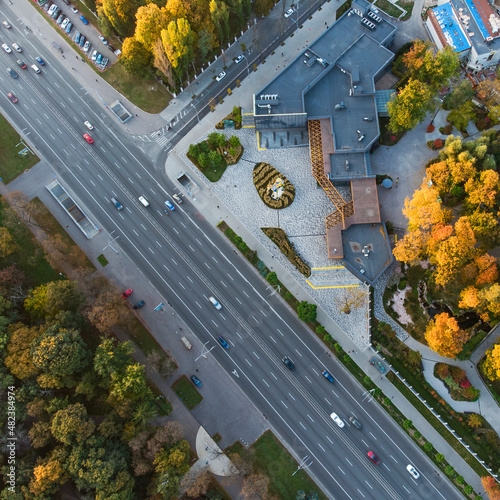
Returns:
<point x="486" y="404"/>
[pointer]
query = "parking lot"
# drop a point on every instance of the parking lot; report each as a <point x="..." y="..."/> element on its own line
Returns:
<point x="82" y="33"/>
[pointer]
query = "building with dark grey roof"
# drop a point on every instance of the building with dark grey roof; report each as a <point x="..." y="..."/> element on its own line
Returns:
<point x="326" y="99"/>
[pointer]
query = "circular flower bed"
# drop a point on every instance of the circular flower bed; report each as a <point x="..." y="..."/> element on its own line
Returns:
<point x="274" y="189"/>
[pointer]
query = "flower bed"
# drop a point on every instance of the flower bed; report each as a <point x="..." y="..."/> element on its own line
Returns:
<point x="456" y="381"/>
<point x="264" y="178"/>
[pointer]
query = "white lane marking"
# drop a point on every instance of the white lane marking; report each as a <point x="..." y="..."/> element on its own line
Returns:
<point x="198" y="241"/>
<point x="191" y="248"/>
<point x="310" y="418"/>
<point x="198" y="304"/>
<point x="373" y="436"/>
<point x="348" y="462"/>
<point x="231" y="342"/>
<point x="238" y="333"/>
<point x="365" y="443"/>
<point x="249" y="364"/>
<point x="301" y="424"/>
<point x="328" y="402"/>
<point x="176" y="232"/>
<point x="298" y="352"/>
<point x="272" y="339"/>
<point x="143" y="227"/>
<point x="385" y="465"/>
<point x="393" y="458"/>
<point x="223" y="284"/>
<point x="279" y="331"/>
<point x="175" y="263"/>
<point x="217" y="326"/>
<point x="216" y="261"/>
<point x="334" y="393"/>
<point x="283" y="403"/>
<point x="151" y="250"/>
<point x="100" y="177"/>
<point x="189" y="279"/>
<point x="370" y="484"/>
<point x="341" y="470"/>
<point x="92" y="182"/>
<point x="291" y="396"/>
<point x="407" y="489"/>
<point x="184" y="225"/>
<point x="361" y="493"/>
<point x="207" y="265"/>
<point x="308" y="379"/>
<point x="134" y="231"/>
<point x="124" y="160"/>
<point x="136" y="173"/>
<point x="158" y="243"/>
<point x="182" y="285"/>
<point x="168" y="270"/>
<point x="230" y="277"/>
<point x="321" y="447"/>
<point x="263" y="313"/>
<point x="255" y="354"/>
<point x="274" y="375"/>
<point x="248" y="296"/>
<point x="331" y="442"/>
<point x="264" y="380"/>
<point x="239" y="301"/>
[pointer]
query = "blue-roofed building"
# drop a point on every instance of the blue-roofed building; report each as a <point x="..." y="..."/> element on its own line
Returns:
<point x="471" y="28"/>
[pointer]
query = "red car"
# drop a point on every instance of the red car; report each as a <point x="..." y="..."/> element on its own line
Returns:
<point x="88" y="138"/>
<point x="12" y="97"/>
<point x="127" y="293"/>
<point x="373" y="458"/>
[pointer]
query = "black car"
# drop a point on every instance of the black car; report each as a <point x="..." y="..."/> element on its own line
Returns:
<point x="288" y="362"/>
<point x="139" y="304"/>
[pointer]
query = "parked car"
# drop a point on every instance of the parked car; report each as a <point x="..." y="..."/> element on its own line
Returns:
<point x="99" y="59"/>
<point x="88" y="138"/>
<point x="103" y="40"/>
<point x="77" y="37"/>
<point x="69" y="28"/>
<point x="196" y="381"/>
<point x="177" y="198"/>
<point x="86" y="47"/>
<point x="65" y="23"/>
<point x="220" y="76"/>
<point x="139" y="304"/>
<point x="337" y="419"/>
<point x="12" y="73"/>
<point x="56" y="13"/>
<point x="84" y="21"/>
<point x="288" y="13"/>
<point x="373" y="458"/>
<point x="328" y="376"/>
<point x="288" y="362"/>
<point x="6" y="48"/>
<point x="40" y="60"/>
<point x="238" y="59"/>
<point x="94" y="55"/>
<point x="215" y="302"/>
<point x="127" y="293"/>
<point x="60" y="19"/>
<point x="74" y="9"/>
<point x="21" y="64"/>
<point x="12" y="97"/>
<point x="354" y="421"/>
<point x="117" y="204"/>
<point x="414" y="472"/>
<point x="222" y="342"/>
<point x="110" y="47"/>
<point x="88" y="125"/>
<point x="82" y="41"/>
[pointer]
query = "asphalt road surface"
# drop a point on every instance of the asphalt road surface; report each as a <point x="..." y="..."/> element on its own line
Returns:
<point x="187" y="260"/>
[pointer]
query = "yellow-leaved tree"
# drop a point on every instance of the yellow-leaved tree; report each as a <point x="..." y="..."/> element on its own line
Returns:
<point x="491" y="365"/>
<point x="444" y="336"/>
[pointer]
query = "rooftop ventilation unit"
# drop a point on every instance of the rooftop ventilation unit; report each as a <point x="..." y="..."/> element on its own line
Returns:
<point x="347" y="165"/>
<point x="374" y="17"/>
<point x="339" y="106"/>
<point x="322" y="62"/>
<point x="368" y="24"/>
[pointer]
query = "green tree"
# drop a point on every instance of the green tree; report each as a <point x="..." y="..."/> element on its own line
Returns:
<point x="112" y="357"/>
<point x="59" y="354"/>
<point x="203" y="160"/>
<point x="63" y="295"/>
<point x="121" y="15"/>
<point x="131" y="384"/>
<point x="214" y="159"/>
<point x="72" y="425"/>
<point x="272" y="278"/>
<point x="409" y="107"/>
<point x="220" y="17"/>
<point x="144" y="411"/>
<point x="234" y="141"/>
<point x="136" y="58"/>
<point x="307" y="312"/>
<point x="206" y="42"/>
<point x="36" y="301"/>
<point x="486" y="229"/>
<point x="461" y="94"/>
<point x="462" y="116"/>
<point x="263" y="7"/>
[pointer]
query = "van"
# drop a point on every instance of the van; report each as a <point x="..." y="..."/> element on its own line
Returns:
<point x="144" y="201"/>
<point x="186" y="343"/>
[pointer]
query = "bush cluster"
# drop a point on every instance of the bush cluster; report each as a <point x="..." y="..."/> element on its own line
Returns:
<point x="279" y="238"/>
<point x="263" y="175"/>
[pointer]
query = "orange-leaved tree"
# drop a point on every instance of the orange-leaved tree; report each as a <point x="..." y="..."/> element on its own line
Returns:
<point x="412" y="247"/>
<point x="444" y="336"/>
<point x="491" y="487"/>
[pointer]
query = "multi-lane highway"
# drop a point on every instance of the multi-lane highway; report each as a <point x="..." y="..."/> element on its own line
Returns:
<point x="186" y="260"/>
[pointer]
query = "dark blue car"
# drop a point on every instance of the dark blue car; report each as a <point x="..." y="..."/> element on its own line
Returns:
<point x="223" y="343"/>
<point x="84" y="21"/>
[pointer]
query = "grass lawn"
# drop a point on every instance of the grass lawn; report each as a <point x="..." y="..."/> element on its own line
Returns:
<point x="187" y="392"/>
<point x="234" y="448"/>
<point x="141" y="336"/>
<point x="149" y="95"/>
<point x="274" y="461"/>
<point x="389" y="8"/>
<point x="387" y="137"/>
<point x="12" y="164"/>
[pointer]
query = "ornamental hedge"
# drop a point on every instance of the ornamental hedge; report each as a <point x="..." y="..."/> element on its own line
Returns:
<point x="265" y="175"/>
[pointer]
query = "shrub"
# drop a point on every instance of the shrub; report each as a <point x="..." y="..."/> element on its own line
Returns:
<point x="272" y="278"/>
<point x="407" y="424"/>
<point x="439" y="458"/>
<point x="460" y="480"/>
<point x="402" y="285"/>
<point x="347" y="358"/>
<point x="438" y="143"/>
<point x="367" y="380"/>
<point x="307" y="312"/>
<point x="430" y="128"/>
<point x="387" y="401"/>
<point x="320" y="329"/>
<point x="468" y="489"/>
<point x="449" y="470"/>
<point x="263" y="176"/>
<point x="417" y="435"/>
<point x="234" y="141"/>
<point x="428" y="447"/>
<point x="327" y="337"/>
<point x="338" y="348"/>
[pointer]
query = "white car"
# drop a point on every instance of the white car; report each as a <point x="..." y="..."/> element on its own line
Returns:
<point x="288" y="13"/>
<point x="64" y="23"/>
<point x="35" y="68"/>
<point x="6" y="24"/>
<point x="89" y="125"/>
<point x="412" y="471"/>
<point x="17" y="47"/>
<point x="103" y="40"/>
<point x="74" y="9"/>
<point x="94" y="55"/>
<point x="337" y="420"/>
<point x="6" y="48"/>
<point x="215" y="302"/>
<point x="220" y="76"/>
<point x="86" y="47"/>
<point x="177" y="198"/>
<point x="238" y="59"/>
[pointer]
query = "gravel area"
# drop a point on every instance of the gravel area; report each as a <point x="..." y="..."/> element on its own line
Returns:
<point x="303" y="220"/>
